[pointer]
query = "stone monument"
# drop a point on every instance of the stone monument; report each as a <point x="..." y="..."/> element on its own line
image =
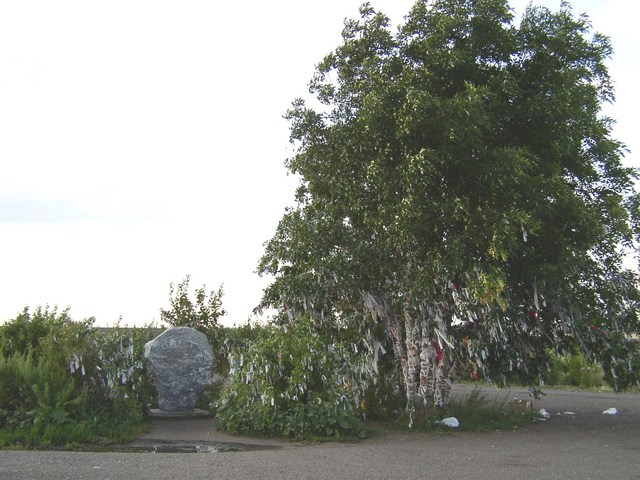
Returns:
<point x="180" y="360"/>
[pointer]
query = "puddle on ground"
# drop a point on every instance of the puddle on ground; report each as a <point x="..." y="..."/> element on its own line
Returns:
<point x="194" y="449"/>
<point x="188" y="448"/>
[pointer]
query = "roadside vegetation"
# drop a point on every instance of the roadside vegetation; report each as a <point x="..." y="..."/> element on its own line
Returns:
<point x="573" y="370"/>
<point x="66" y="383"/>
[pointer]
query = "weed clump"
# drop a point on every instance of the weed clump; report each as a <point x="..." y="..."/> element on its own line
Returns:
<point x="475" y="413"/>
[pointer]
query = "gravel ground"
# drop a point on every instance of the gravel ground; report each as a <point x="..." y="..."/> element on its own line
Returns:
<point x="578" y="441"/>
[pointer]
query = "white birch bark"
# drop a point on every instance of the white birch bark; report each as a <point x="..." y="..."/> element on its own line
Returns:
<point x="412" y="335"/>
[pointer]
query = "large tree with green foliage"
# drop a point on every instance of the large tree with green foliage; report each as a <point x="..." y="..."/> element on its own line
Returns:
<point x="460" y="187"/>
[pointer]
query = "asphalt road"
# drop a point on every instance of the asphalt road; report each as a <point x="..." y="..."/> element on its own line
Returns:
<point x="585" y="445"/>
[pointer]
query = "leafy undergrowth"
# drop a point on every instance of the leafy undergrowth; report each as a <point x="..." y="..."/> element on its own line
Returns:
<point x="309" y="393"/>
<point x="66" y="383"/>
<point x="71" y="436"/>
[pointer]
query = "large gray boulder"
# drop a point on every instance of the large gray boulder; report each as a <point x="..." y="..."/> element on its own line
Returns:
<point x="180" y="360"/>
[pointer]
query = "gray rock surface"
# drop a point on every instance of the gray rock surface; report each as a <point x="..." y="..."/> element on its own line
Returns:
<point x="181" y="361"/>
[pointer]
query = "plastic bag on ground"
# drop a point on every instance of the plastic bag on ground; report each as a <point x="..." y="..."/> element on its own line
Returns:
<point x="451" y="422"/>
<point x="544" y="414"/>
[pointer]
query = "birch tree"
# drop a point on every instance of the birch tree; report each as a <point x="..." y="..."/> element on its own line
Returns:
<point x="460" y="187"/>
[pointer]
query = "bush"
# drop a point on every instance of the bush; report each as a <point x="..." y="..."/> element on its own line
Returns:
<point x="38" y="397"/>
<point x="38" y="390"/>
<point x="201" y="313"/>
<point x="574" y="370"/>
<point x="119" y="368"/>
<point x="67" y="382"/>
<point x="26" y="331"/>
<point x="294" y="382"/>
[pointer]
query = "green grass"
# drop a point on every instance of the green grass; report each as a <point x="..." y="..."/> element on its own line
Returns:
<point x="70" y="435"/>
<point x="475" y="412"/>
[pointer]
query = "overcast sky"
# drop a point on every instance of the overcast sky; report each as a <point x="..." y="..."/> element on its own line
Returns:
<point x="141" y="141"/>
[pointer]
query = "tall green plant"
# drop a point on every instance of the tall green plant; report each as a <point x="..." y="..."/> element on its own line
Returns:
<point x="294" y="381"/>
<point x="201" y="311"/>
<point x="25" y="332"/>
<point x="36" y="394"/>
<point x="75" y="383"/>
<point x="574" y="370"/>
<point x="118" y="369"/>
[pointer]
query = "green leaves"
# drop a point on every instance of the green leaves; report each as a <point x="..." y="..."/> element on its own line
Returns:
<point x="201" y="311"/>
<point x="72" y="383"/>
<point x="467" y="149"/>
<point x="292" y="381"/>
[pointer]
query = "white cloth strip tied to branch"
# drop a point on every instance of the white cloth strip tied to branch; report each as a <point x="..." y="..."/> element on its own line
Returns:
<point x="377" y="348"/>
<point x="442" y="338"/>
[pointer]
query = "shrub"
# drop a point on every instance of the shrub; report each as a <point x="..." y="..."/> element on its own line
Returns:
<point x="119" y="370"/>
<point x="201" y="313"/>
<point x="31" y="387"/>
<point x="36" y="396"/>
<point x="294" y="382"/>
<point x="574" y="370"/>
<point x="25" y="332"/>
<point x="67" y="382"/>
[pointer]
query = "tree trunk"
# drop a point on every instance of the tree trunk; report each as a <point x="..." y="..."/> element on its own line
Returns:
<point x="422" y="354"/>
<point x="427" y="363"/>
<point x="412" y="335"/>
<point x="379" y="308"/>
<point x="436" y="356"/>
<point x="397" y="339"/>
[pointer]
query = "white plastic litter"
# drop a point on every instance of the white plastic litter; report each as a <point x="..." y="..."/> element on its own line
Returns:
<point x="569" y="413"/>
<point x="451" y="422"/>
<point x="544" y="414"/>
<point x="610" y="411"/>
